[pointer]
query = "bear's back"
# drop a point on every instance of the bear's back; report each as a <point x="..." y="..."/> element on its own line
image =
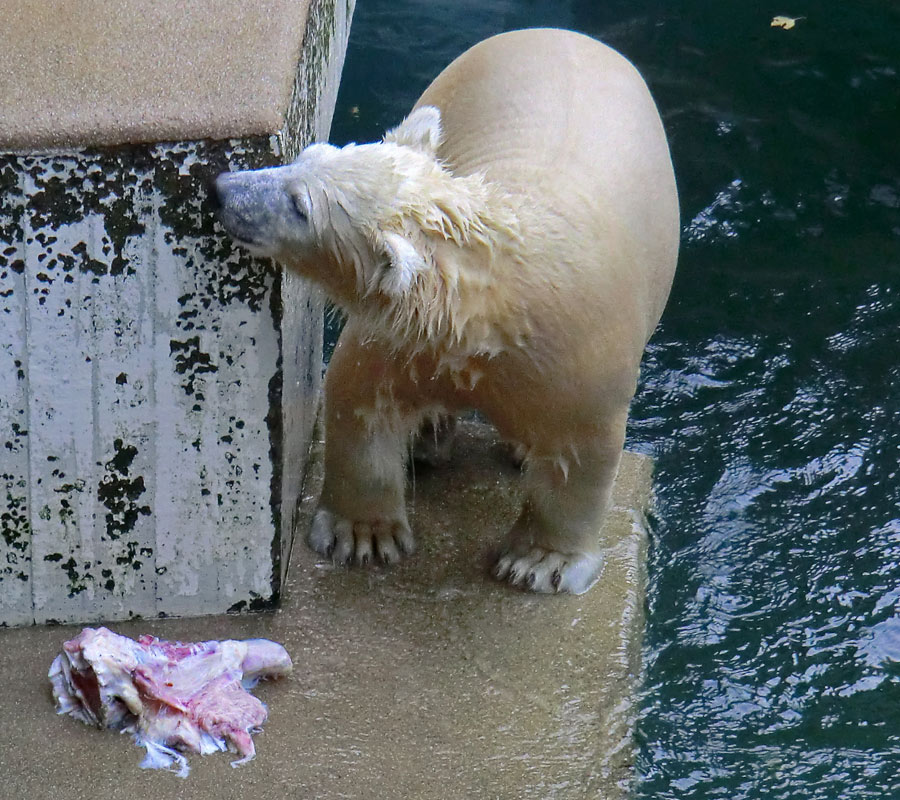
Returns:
<point x="568" y="126"/>
<point x="546" y="98"/>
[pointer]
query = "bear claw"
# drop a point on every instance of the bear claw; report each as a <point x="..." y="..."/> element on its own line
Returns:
<point x="346" y="542"/>
<point x="547" y="571"/>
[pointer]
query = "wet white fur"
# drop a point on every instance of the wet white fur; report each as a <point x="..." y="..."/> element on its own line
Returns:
<point x="510" y="252"/>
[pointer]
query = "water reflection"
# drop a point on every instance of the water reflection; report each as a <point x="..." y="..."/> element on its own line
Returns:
<point x="718" y="219"/>
<point x="775" y="608"/>
<point x="775" y="625"/>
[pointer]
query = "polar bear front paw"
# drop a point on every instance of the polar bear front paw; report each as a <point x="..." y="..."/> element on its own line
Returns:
<point x="359" y="542"/>
<point x="548" y="571"/>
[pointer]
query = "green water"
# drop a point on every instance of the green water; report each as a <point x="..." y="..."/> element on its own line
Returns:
<point x="770" y="392"/>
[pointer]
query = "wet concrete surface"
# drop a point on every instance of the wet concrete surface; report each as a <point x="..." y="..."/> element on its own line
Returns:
<point x="424" y="680"/>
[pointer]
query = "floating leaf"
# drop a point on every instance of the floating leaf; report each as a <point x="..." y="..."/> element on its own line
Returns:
<point x="785" y="22"/>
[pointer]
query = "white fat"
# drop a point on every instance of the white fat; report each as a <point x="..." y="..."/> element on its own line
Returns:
<point x="161" y="757"/>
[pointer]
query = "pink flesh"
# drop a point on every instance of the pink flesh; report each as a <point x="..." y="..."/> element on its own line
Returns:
<point x="186" y="696"/>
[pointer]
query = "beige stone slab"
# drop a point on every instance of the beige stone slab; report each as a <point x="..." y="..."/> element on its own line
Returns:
<point x="79" y="72"/>
<point x="427" y="680"/>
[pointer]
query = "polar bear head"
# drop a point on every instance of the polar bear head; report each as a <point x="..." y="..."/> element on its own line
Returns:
<point x="362" y="220"/>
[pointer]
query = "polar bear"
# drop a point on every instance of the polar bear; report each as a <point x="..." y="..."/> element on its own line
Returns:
<point x="509" y="248"/>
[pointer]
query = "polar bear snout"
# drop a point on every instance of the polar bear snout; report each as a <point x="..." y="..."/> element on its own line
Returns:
<point x="257" y="211"/>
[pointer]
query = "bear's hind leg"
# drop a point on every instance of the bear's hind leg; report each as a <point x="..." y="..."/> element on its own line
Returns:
<point x="554" y="545"/>
<point x="433" y="444"/>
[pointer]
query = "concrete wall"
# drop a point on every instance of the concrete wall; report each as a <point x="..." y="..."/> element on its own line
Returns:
<point x="157" y="387"/>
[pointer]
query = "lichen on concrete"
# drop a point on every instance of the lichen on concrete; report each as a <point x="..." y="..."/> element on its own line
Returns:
<point x="142" y="321"/>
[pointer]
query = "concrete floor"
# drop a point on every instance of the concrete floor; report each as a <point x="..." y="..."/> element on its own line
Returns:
<point x="426" y="680"/>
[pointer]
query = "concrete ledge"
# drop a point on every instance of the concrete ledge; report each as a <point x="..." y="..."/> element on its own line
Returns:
<point x="99" y="72"/>
<point x="427" y="680"/>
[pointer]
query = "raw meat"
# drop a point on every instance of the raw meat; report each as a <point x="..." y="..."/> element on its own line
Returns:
<point x="173" y="697"/>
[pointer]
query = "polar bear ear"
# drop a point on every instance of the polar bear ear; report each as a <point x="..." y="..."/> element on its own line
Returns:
<point x="421" y="130"/>
<point x="405" y="263"/>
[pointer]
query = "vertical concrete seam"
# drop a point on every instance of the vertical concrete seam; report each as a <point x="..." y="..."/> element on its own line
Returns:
<point x="152" y="216"/>
<point x="276" y="436"/>
<point x="26" y="328"/>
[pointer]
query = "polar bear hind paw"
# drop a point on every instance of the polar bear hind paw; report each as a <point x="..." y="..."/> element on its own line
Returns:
<point x="360" y="542"/>
<point x="548" y="571"/>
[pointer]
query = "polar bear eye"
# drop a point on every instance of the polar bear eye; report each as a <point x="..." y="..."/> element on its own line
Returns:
<point x="300" y="208"/>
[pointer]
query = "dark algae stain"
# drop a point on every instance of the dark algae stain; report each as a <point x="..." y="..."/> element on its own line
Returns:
<point x="129" y="556"/>
<point x="56" y="202"/>
<point x="183" y="177"/>
<point x="256" y="603"/>
<point x="12" y="209"/>
<point x="78" y="581"/>
<point x="66" y="492"/>
<point x="15" y="529"/>
<point x="118" y="185"/>
<point x="74" y="187"/>
<point x="14" y="526"/>
<point x="120" y="493"/>
<point x="191" y="362"/>
<point x="85" y="263"/>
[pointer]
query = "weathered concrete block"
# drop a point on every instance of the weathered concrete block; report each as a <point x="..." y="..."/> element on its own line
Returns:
<point x="157" y="387"/>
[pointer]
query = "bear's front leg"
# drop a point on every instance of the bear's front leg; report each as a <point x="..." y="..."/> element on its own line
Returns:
<point x="554" y="545"/>
<point x="362" y="511"/>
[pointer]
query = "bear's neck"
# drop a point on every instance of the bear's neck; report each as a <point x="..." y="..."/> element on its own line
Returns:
<point x="464" y="303"/>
